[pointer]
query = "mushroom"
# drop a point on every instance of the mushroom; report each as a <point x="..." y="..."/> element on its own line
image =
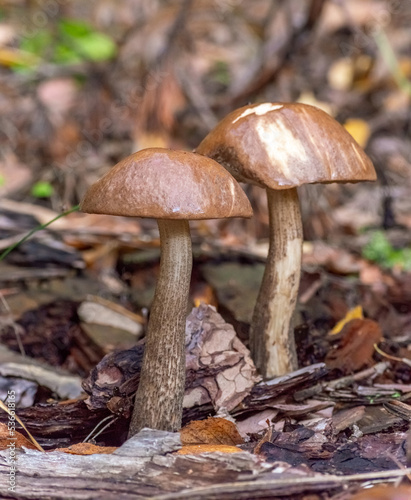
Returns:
<point x="172" y="187"/>
<point x="280" y="146"/>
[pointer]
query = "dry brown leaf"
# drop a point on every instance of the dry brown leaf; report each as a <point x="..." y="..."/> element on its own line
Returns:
<point x="16" y="439"/>
<point x="87" y="449"/>
<point x="12" y="415"/>
<point x="210" y="431"/>
<point x="196" y="449"/>
<point x="357" y="346"/>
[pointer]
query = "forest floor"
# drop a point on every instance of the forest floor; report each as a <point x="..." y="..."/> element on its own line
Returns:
<point x="75" y="297"/>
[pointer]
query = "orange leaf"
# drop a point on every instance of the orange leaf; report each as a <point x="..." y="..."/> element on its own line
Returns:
<point x="210" y="431"/>
<point x="12" y="431"/>
<point x="16" y="438"/>
<point x="87" y="449"/>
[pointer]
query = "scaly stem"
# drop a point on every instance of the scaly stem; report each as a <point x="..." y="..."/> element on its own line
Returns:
<point x="271" y="336"/>
<point x="159" y="398"/>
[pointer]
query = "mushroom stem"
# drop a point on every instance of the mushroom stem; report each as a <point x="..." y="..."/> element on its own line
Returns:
<point x="159" y="398"/>
<point x="271" y="336"/>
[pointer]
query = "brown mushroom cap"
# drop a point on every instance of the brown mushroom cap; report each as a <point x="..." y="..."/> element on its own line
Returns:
<point x="167" y="184"/>
<point x="285" y="145"/>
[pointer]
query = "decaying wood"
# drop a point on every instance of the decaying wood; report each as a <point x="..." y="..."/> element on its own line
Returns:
<point x="319" y="448"/>
<point x="219" y="371"/>
<point x="377" y="419"/>
<point x="60" y="423"/>
<point x="141" y="468"/>
<point x="281" y="487"/>
<point x="399" y="408"/>
<point x="145" y="467"/>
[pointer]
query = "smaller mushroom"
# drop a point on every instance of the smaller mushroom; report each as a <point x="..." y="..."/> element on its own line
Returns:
<point x="280" y="146"/>
<point x="172" y="187"/>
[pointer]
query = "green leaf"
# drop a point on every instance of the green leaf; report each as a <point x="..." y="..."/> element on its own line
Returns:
<point x="74" y="28"/>
<point x="98" y="47"/>
<point x="73" y="42"/>
<point x="42" y="189"/>
<point x="380" y="250"/>
<point x="66" y="55"/>
<point x="86" y="42"/>
<point x="2" y="180"/>
<point x="38" y="43"/>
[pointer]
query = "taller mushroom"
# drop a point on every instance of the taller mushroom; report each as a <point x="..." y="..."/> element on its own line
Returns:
<point x="280" y="146"/>
<point x="172" y="187"/>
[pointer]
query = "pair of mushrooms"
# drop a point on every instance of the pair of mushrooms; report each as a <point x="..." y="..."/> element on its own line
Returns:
<point x="276" y="146"/>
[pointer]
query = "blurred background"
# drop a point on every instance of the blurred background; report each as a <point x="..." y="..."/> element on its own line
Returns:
<point x="82" y="84"/>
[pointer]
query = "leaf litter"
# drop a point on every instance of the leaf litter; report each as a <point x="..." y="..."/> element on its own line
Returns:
<point x="339" y="422"/>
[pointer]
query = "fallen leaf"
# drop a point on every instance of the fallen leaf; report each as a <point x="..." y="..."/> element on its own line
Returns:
<point x="14" y="438"/>
<point x="87" y="449"/>
<point x="359" y="129"/>
<point x="10" y="57"/>
<point x="210" y="431"/>
<point x="197" y="449"/>
<point x="10" y="411"/>
<point x="354" y="313"/>
<point x="357" y="346"/>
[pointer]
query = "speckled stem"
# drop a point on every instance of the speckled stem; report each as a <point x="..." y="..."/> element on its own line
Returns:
<point x="271" y="336"/>
<point x="159" y="398"/>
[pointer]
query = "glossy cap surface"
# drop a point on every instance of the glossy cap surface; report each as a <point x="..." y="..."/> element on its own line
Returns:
<point x="167" y="184"/>
<point x="285" y="145"/>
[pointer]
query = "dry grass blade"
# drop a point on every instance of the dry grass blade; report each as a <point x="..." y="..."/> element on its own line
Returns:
<point x="12" y="414"/>
<point x="392" y="358"/>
